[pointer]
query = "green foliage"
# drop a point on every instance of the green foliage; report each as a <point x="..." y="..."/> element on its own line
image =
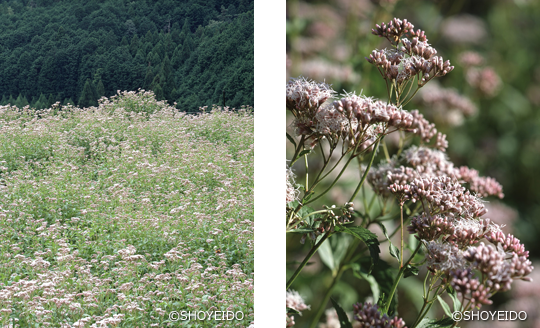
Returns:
<point x="52" y="48"/>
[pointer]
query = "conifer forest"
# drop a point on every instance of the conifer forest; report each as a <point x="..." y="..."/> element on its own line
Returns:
<point x="192" y="53"/>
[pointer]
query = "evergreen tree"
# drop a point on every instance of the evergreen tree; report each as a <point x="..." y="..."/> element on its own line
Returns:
<point x="88" y="96"/>
<point x="4" y="100"/>
<point x="148" y="79"/>
<point x="97" y="82"/>
<point x="37" y="105"/>
<point x="124" y="41"/>
<point x="68" y="101"/>
<point x="50" y="100"/>
<point x="185" y="28"/>
<point x="148" y="37"/>
<point x="134" y="46"/>
<point x="42" y="101"/>
<point x="168" y="83"/>
<point x="100" y="89"/>
<point x="158" y="91"/>
<point x="21" y="101"/>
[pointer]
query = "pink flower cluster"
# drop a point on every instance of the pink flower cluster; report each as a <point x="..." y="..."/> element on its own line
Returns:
<point x="296" y="302"/>
<point x="358" y="120"/>
<point x="414" y="57"/>
<point x="426" y="168"/>
<point x="451" y="223"/>
<point x="368" y="316"/>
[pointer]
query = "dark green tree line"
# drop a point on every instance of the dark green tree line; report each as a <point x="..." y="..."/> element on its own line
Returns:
<point x="194" y="53"/>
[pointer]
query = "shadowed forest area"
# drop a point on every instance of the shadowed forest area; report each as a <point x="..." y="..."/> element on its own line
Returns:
<point x="194" y="53"/>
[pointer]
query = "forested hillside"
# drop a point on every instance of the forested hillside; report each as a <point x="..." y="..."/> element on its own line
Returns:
<point x="194" y="53"/>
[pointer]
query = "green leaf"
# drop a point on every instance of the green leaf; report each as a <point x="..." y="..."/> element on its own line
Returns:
<point x="445" y="306"/>
<point x="343" y="319"/>
<point x="301" y="230"/>
<point x="375" y="290"/>
<point x="453" y="295"/>
<point x="304" y="211"/>
<point x="333" y="251"/>
<point x="368" y="237"/>
<point x="381" y="303"/>
<point x="428" y="323"/>
<point x="326" y="255"/>
<point x="394" y="251"/>
<point x="291" y="139"/>
<point x="292" y="311"/>
<point x="411" y="270"/>
<point x="304" y="152"/>
<point x="384" y="275"/>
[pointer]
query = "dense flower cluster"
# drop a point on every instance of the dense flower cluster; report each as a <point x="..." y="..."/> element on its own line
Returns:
<point x="296" y="302"/>
<point x="304" y="97"/>
<point x="355" y="119"/>
<point x="116" y="213"/>
<point x="415" y="57"/>
<point x="464" y="248"/>
<point x="425" y="163"/>
<point x="368" y="316"/>
<point x="291" y="192"/>
<point x="498" y="267"/>
<point x="452" y="225"/>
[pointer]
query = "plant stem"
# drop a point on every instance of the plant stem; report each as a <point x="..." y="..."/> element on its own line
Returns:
<point x="307" y="172"/>
<point x="366" y="171"/>
<point x="401" y="257"/>
<point x="308" y="257"/>
<point x="398" y="278"/>
<point x="342" y="268"/>
<point x="326" y="298"/>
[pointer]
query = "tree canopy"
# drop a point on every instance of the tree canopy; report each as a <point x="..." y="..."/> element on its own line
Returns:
<point x="194" y="53"/>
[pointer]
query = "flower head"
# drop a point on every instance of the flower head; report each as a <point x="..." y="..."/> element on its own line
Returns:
<point x="368" y="315"/>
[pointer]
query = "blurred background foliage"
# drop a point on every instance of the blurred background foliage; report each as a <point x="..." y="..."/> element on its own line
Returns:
<point x="500" y="137"/>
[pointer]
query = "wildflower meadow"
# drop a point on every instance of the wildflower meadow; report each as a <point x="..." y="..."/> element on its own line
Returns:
<point x="380" y="207"/>
<point x="120" y="214"/>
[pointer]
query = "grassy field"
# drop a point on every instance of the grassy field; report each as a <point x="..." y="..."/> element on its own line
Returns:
<point x="118" y="215"/>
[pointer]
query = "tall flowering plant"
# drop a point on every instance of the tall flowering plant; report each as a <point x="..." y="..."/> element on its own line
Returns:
<point x="442" y="205"/>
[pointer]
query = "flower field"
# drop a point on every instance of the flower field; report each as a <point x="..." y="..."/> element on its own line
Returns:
<point x="118" y="215"/>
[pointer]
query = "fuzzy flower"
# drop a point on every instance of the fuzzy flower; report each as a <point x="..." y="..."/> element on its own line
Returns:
<point x="369" y="316"/>
<point x="485" y="258"/>
<point x="368" y="111"/>
<point x="429" y="228"/>
<point x="482" y="186"/>
<point x="414" y="58"/>
<point x="468" y="231"/>
<point x="394" y="30"/>
<point x="331" y="122"/>
<point x="428" y="161"/>
<point x="444" y="256"/>
<point x="291" y="191"/>
<point x="295" y="302"/>
<point x="508" y="242"/>
<point x="422" y="127"/>
<point x="497" y="267"/>
<point x="305" y="96"/>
